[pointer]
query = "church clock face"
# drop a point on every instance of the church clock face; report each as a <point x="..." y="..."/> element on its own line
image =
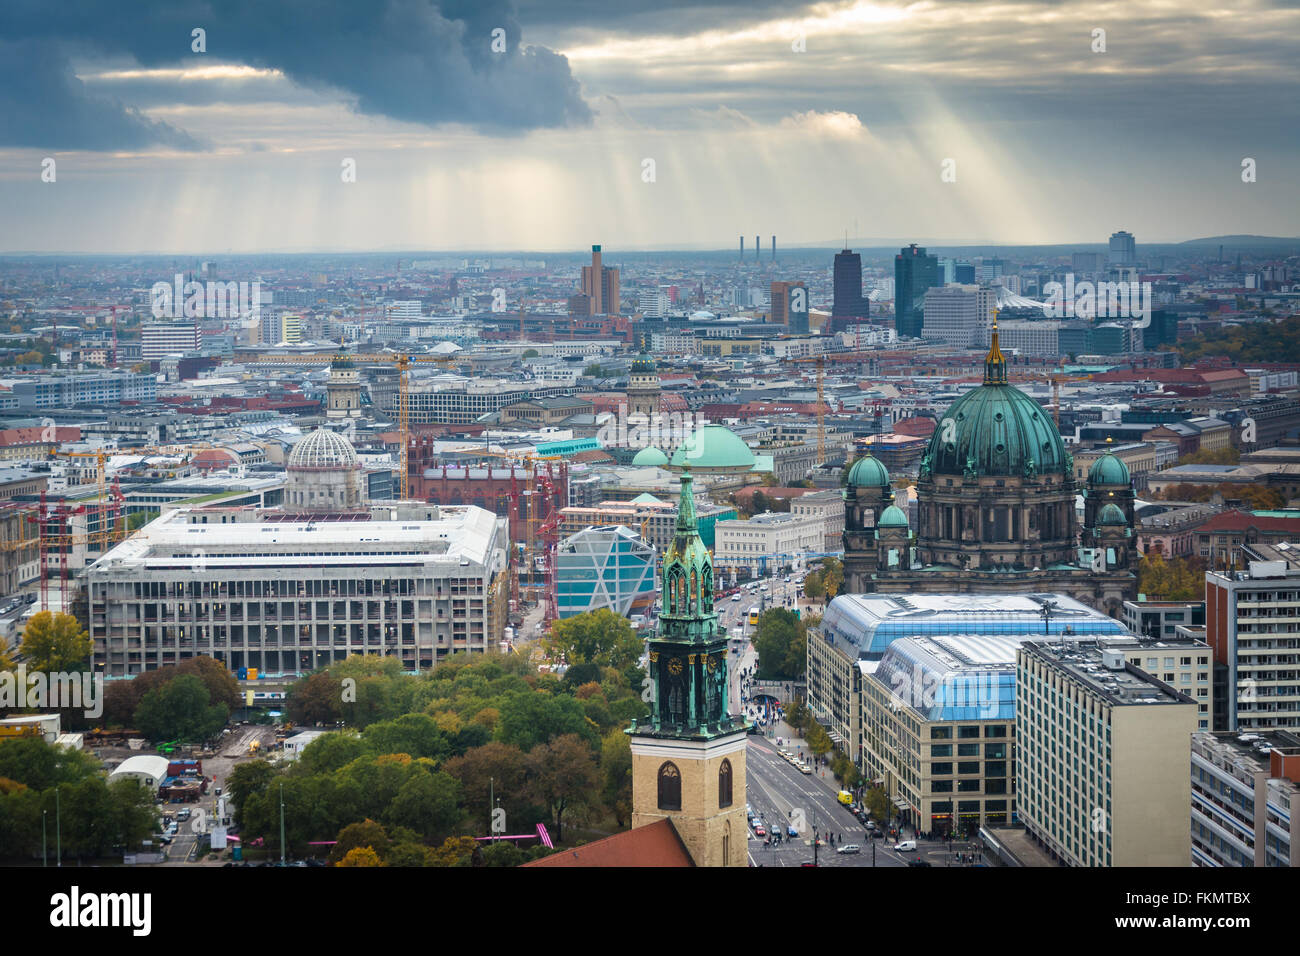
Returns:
<point x="675" y="666"/>
<point x="713" y="663"/>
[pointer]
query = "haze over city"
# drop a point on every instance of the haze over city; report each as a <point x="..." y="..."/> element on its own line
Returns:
<point x="804" y="120"/>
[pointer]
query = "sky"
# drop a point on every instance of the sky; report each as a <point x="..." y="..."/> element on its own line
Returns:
<point x="549" y="125"/>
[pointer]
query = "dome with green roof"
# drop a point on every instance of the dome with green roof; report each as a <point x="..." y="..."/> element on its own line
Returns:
<point x="892" y="517"/>
<point x="650" y="457"/>
<point x="1108" y="470"/>
<point x="1111" y="515"/>
<point x="716" y="449"/>
<point x="996" y="430"/>
<point x="868" y="472"/>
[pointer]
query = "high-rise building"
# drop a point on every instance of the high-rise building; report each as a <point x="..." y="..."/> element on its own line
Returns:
<point x="1245" y="791"/>
<point x="1101" y="755"/>
<point x="601" y="285"/>
<point x="688" y="756"/>
<point x="960" y="314"/>
<point x="790" y="307"/>
<point x="1123" y="251"/>
<point x="169" y="338"/>
<point x="1250" y="623"/>
<point x="849" y="306"/>
<point x="914" y="273"/>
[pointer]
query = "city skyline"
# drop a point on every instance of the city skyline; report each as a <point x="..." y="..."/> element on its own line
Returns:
<point x="840" y="116"/>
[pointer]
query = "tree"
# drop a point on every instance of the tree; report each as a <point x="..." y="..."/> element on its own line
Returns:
<point x="532" y="718"/>
<point x="878" y="805"/>
<point x="217" y="678"/>
<point x="819" y="742"/>
<point x="797" y="714"/>
<point x="616" y="773"/>
<point x="562" y="777"/>
<point x="455" y="851"/>
<point x="427" y="804"/>
<point x="247" y="780"/>
<point x="54" y="643"/>
<point x="367" y="834"/>
<point x="492" y="772"/>
<point x="416" y="734"/>
<point x="503" y="853"/>
<point x="597" y="637"/>
<point x="360" y="856"/>
<point x="181" y="709"/>
<point x="316" y="699"/>
<point x="782" y="643"/>
<point x="530" y="353"/>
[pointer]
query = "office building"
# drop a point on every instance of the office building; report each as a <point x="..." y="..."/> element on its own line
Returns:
<point x="608" y="568"/>
<point x="66" y="389"/>
<point x="287" y="594"/>
<point x="600" y="285"/>
<point x="960" y="315"/>
<point x="914" y="273"/>
<point x="767" y="542"/>
<point x="1252" y="623"/>
<point x="1123" y="251"/>
<point x="849" y="307"/>
<point x="790" y="308"/>
<point x="1101" y="755"/>
<point x="169" y="338"/>
<point x="1245" y="799"/>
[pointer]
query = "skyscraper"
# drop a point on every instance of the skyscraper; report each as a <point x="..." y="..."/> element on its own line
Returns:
<point x="914" y="272"/>
<point x="790" y="307"/>
<point x="600" y="285"/>
<point x="849" y="303"/>
<point x="1123" y="251"/>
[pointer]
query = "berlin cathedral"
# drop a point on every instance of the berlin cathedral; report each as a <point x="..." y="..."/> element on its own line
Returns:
<point x="996" y="510"/>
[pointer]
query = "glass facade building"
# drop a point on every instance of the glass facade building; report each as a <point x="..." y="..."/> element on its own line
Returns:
<point x="609" y="567"/>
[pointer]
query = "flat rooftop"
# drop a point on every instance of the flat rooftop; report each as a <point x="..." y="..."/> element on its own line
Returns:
<point x="1083" y="664"/>
<point x="235" y="538"/>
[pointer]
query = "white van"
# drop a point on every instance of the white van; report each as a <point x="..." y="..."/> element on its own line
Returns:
<point x="906" y="846"/>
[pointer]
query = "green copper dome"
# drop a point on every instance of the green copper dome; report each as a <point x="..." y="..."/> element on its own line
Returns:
<point x="714" y="448"/>
<point x="892" y="517"/>
<point x="868" y="472"/>
<point x="997" y="429"/>
<point x="1108" y="470"/>
<point x="1110" y="516"/>
<point x="650" y="456"/>
<point x="643" y="365"/>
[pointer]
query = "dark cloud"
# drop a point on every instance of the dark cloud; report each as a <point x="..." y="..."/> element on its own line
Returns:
<point x="44" y="106"/>
<point x="660" y="17"/>
<point x="421" y="61"/>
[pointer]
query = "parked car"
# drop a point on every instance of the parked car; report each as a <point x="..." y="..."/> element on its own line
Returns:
<point x="183" y="815"/>
<point x="848" y="848"/>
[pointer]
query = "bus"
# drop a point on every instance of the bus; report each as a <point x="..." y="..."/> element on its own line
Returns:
<point x="753" y="617"/>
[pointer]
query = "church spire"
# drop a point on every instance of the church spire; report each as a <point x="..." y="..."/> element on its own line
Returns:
<point x="995" y="365"/>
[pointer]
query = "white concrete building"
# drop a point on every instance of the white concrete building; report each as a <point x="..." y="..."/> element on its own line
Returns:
<point x="287" y="594"/>
<point x="767" y="541"/>
<point x="169" y="338"/>
<point x="959" y="314"/>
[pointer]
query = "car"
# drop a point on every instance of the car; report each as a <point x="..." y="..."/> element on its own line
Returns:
<point x="919" y="863"/>
<point x="735" y="597"/>
<point x="183" y="815"/>
<point x="805" y="768"/>
<point x="876" y="834"/>
<point x="759" y="829"/>
<point x="871" y="824"/>
<point x="907" y="846"/>
<point x="790" y="830"/>
<point x="848" y="848"/>
<point x="764" y="587"/>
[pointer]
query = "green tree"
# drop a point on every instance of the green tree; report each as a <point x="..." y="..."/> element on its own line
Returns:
<point x="782" y="643"/>
<point x="597" y="637"/>
<point x="414" y="734"/>
<point x="797" y="715"/>
<point x="493" y="773"/>
<point x="55" y="643"/>
<point x="878" y="805"/>
<point x="503" y="853"/>
<point x="562" y="777"/>
<point x="181" y="709"/>
<point x="427" y="804"/>
<point x="529" y="719"/>
<point x="246" y="780"/>
<point x="819" y="742"/>
<point x="530" y="353"/>
<point x="616" y="775"/>
<point x="316" y="699"/>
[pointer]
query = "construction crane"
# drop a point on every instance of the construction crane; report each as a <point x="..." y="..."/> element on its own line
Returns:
<point x="820" y="362"/>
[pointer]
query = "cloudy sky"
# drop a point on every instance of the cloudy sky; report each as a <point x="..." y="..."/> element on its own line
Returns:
<point x="641" y="125"/>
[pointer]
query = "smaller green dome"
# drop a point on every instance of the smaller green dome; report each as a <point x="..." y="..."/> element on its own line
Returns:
<point x="1111" y="516"/>
<point x="650" y="457"/>
<point x="892" y="517"/>
<point x="868" y="472"/>
<point x="1108" y="470"/>
<point x="713" y="449"/>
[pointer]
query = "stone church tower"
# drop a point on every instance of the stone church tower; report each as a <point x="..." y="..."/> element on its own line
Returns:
<point x="643" y="387"/>
<point x="344" y="389"/>
<point x="688" y="757"/>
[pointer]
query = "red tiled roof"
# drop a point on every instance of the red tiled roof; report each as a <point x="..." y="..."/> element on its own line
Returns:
<point x="655" y="844"/>
<point x="1241" y="520"/>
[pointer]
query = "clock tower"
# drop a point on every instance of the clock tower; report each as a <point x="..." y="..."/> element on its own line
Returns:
<point x="688" y="757"/>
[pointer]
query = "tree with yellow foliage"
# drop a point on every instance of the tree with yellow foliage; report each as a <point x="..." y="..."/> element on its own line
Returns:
<point x="360" y="856"/>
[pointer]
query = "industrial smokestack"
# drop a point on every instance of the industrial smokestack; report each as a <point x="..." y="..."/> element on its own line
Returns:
<point x="742" y="248"/>
<point x="758" y="248"/>
<point x="774" y="248"/>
